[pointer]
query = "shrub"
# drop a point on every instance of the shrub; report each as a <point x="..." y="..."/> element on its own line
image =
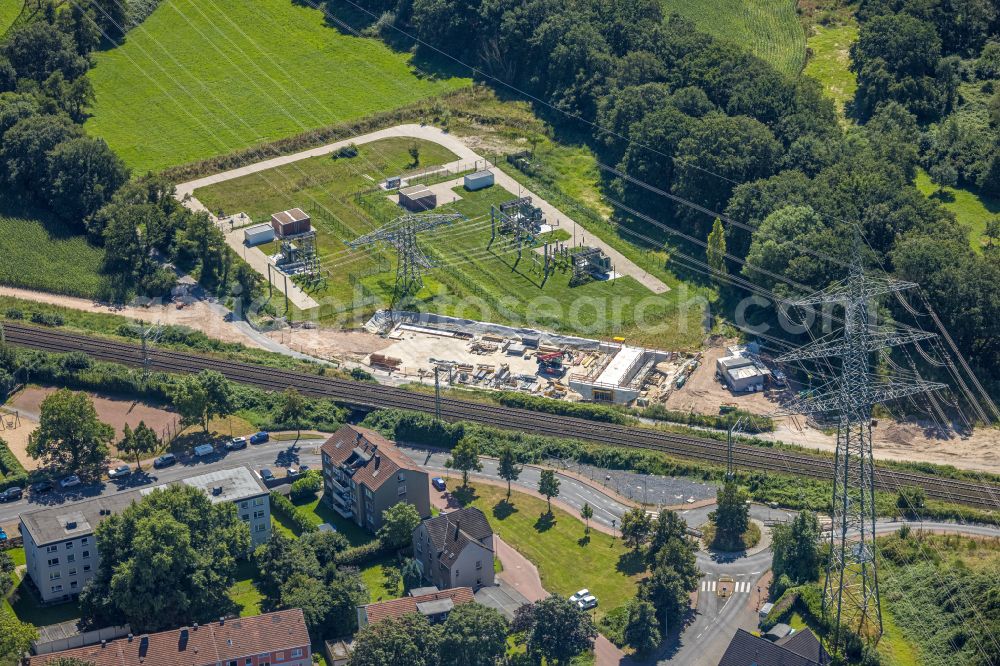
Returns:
<point x="299" y="518"/>
<point x="307" y="487"/>
<point x="348" y="151"/>
<point x="581" y="410"/>
<point x="12" y="473"/>
<point x="361" y="554"/>
<point x="14" y="313"/>
<point x="47" y="319"/>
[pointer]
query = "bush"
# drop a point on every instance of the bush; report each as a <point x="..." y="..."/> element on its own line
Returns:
<point x="613" y="624"/>
<point x="12" y="473"/>
<point x="306" y="488"/>
<point x="47" y="319"/>
<point x="299" y="518"/>
<point x="581" y="410"/>
<point x="360" y="555"/>
<point x="348" y="151"/>
<point x="14" y="313"/>
<point x="756" y="424"/>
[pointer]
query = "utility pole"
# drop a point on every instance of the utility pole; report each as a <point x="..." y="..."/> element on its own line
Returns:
<point x="146" y="334"/>
<point x="437" y="393"/>
<point x="850" y="591"/>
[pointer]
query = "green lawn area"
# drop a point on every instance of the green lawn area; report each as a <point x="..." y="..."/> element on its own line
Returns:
<point x="969" y="207"/>
<point x="202" y="79"/>
<point x="9" y="10"/>
<point x="830" y="61"/>
<point x="243" y="592"/>
<point x="28" y="608"/>
<point x="566" y="561"/>
<point x="16" y="554"/>
<point x="41" y="253"/>
<point x="770" y="29"/>
<point x="373" y="575"/>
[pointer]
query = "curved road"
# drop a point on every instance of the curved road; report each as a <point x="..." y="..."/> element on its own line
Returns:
<point x="623" y="265"/>
<point x="702" y="641"/>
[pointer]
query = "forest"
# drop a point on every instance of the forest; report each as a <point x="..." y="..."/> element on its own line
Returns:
<point x="688" y="128"/>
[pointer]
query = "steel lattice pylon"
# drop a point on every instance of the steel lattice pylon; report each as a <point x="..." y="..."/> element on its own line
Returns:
<point x="401" y="234"/>
<point x="851" y="594"/>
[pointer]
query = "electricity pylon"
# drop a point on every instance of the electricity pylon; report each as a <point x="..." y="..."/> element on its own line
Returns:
<point x="401" y="234"/>
<point x="850" y="592"/>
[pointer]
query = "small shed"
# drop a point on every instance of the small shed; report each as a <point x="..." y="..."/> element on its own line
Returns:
<point x="417" y="198"/>
<point x="257" y="234"/>
<point x="290" y="223"/>
<point x="338" y="653"/>
<point x="393" y="182"/>
<point x="479" y="180"/>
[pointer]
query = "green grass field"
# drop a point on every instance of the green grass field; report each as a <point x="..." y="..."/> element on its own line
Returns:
<point x="469" y="279"/>
<point x="770" y="29"/>
<point x="566" y="561"/>
<point x="201" y="79"/>
<point x="45" y="254"/>
<point x="830" y="61"/>
<point x="9" y="10"/>
<point x="969" y="207"/>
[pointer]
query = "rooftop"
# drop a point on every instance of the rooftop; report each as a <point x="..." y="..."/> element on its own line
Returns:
<point x="451" y="532"/>
<point x="416" y="191"/>
<point x="428" y="604"/>
<point x="289" y="216"/>
<point x="614" y="373"/>
<point x="746" y="649"/>
<point x="224" y="485"/>
<point x="372" y="457"/>
<point x="212" y="643"/>
<point x="58" y="523"/>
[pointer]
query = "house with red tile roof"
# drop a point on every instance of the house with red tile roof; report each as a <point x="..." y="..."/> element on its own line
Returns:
<point x="435" y="606"/>
<point x="364" y="474"/>
<point x="271" y="639"/>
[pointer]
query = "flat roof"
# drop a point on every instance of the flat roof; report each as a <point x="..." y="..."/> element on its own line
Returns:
<point x="480" y="174"/>
<point x="745" y="372"/>
<point x="264" y="226"/>
<point x="615" y="371"/>
<point x="224" y="485"/>
<point x="52" y="524"/>
<point x="416" y="191"/>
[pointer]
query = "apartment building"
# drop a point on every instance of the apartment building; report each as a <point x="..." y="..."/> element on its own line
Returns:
<point x="271" y="639"/>
<point x="455" y="549"/>
<point x="364" y="474"/>
<point x="59" y="544"/>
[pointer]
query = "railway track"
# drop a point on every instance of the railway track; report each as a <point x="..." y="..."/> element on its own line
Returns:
<point x="367" y="395"/>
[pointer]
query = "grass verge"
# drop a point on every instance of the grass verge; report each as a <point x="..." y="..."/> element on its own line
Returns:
<point x="829" y="61"/>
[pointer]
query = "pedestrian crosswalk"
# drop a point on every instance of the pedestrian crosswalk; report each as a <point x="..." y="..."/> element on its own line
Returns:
<point x="737" y="587"/>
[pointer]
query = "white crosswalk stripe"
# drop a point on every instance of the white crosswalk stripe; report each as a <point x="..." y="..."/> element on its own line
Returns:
<point x="704" y="585"/>
<point x="713" y="586"/>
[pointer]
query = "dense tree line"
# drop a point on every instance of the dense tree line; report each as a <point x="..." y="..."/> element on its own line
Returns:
<point x="47" y="161"/>
<point x="681" y="112"/>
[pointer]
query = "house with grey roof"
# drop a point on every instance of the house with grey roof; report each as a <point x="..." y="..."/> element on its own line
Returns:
<point x="797" y="648"/>
<point x="455" y="549"/>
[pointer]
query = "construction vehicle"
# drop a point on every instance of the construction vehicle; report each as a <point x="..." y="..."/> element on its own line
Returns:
<point x="551" y="363"/>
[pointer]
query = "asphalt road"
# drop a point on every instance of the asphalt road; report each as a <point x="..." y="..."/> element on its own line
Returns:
<point x="275" y="455"/>
<point x="714" y="620"/>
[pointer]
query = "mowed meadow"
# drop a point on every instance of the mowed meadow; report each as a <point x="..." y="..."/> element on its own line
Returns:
<point x="770" y="29"/>
<point x="199" y="79"/>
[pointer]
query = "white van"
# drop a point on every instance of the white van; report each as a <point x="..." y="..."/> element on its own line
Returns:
<point x="203" y="450"/>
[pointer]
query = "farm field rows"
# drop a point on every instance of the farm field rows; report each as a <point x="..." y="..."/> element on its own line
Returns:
<point x="770" y="29"/>
<point x="202" y="79"/>
<point x="47" y="255"/>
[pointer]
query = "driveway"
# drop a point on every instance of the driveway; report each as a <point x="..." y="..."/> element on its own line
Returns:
<point x="622" y="265"/>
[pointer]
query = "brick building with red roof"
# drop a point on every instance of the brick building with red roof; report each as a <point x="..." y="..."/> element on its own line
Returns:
<point x="271" y="639"/>
<point x="435" y="606"/>
<point x="364" y="474"/>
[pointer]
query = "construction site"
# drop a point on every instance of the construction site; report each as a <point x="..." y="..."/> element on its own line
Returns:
<point x="489" y="356"/>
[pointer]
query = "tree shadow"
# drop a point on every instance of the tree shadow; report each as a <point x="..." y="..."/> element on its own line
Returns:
<point x="583" y="541"/>
<point x="465" y="495"/>
<point x="504" y="509"/>
<point x="631" y="562"/>
<point x="545" y="522"/>
<point x="943" y="196"/>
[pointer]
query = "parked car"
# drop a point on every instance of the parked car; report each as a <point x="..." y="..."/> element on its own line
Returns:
<point x="69" y="481"/>
<point x="12" y="494"/>
<point x="166" y="460"/>
<point x="293" y="471"/>
<point x="42" y="486"/>
<point x="266" y="474"/>
<point x="236" y="443"/>
<point x="259" y="438"/>
<point x="580" y="595"/>
<point x="303" y="469"/>
<point x="588" y="602"/>
<point x="439" y="483"/>
<point x="119" y="472"/>
<point x="203" y="450"/>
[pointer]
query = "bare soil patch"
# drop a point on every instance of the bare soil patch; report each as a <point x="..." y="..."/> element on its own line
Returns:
<point x="332" y="343"/>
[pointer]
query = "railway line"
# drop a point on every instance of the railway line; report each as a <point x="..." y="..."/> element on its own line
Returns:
<point x="365" y="395"/>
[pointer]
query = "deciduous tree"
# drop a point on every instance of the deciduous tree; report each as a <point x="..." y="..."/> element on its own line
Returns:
<point x="473" y="635"/>
<point x="635" y="527"/>
<point x="554" y="628"/>
<point x="548" y="485"/>
<point x="465" y="457"/>
<point x="398" y="523"/>
<point x="587" y="512"/>
<point x="508" y="469"/>
<point x="69" y="434"/>
<point x="731" y="517"/>
<point x="642" y="630"/>
<point x="405" y="641"/>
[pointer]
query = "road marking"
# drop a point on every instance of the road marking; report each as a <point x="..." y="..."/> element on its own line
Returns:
<point x="713" y="586"/>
